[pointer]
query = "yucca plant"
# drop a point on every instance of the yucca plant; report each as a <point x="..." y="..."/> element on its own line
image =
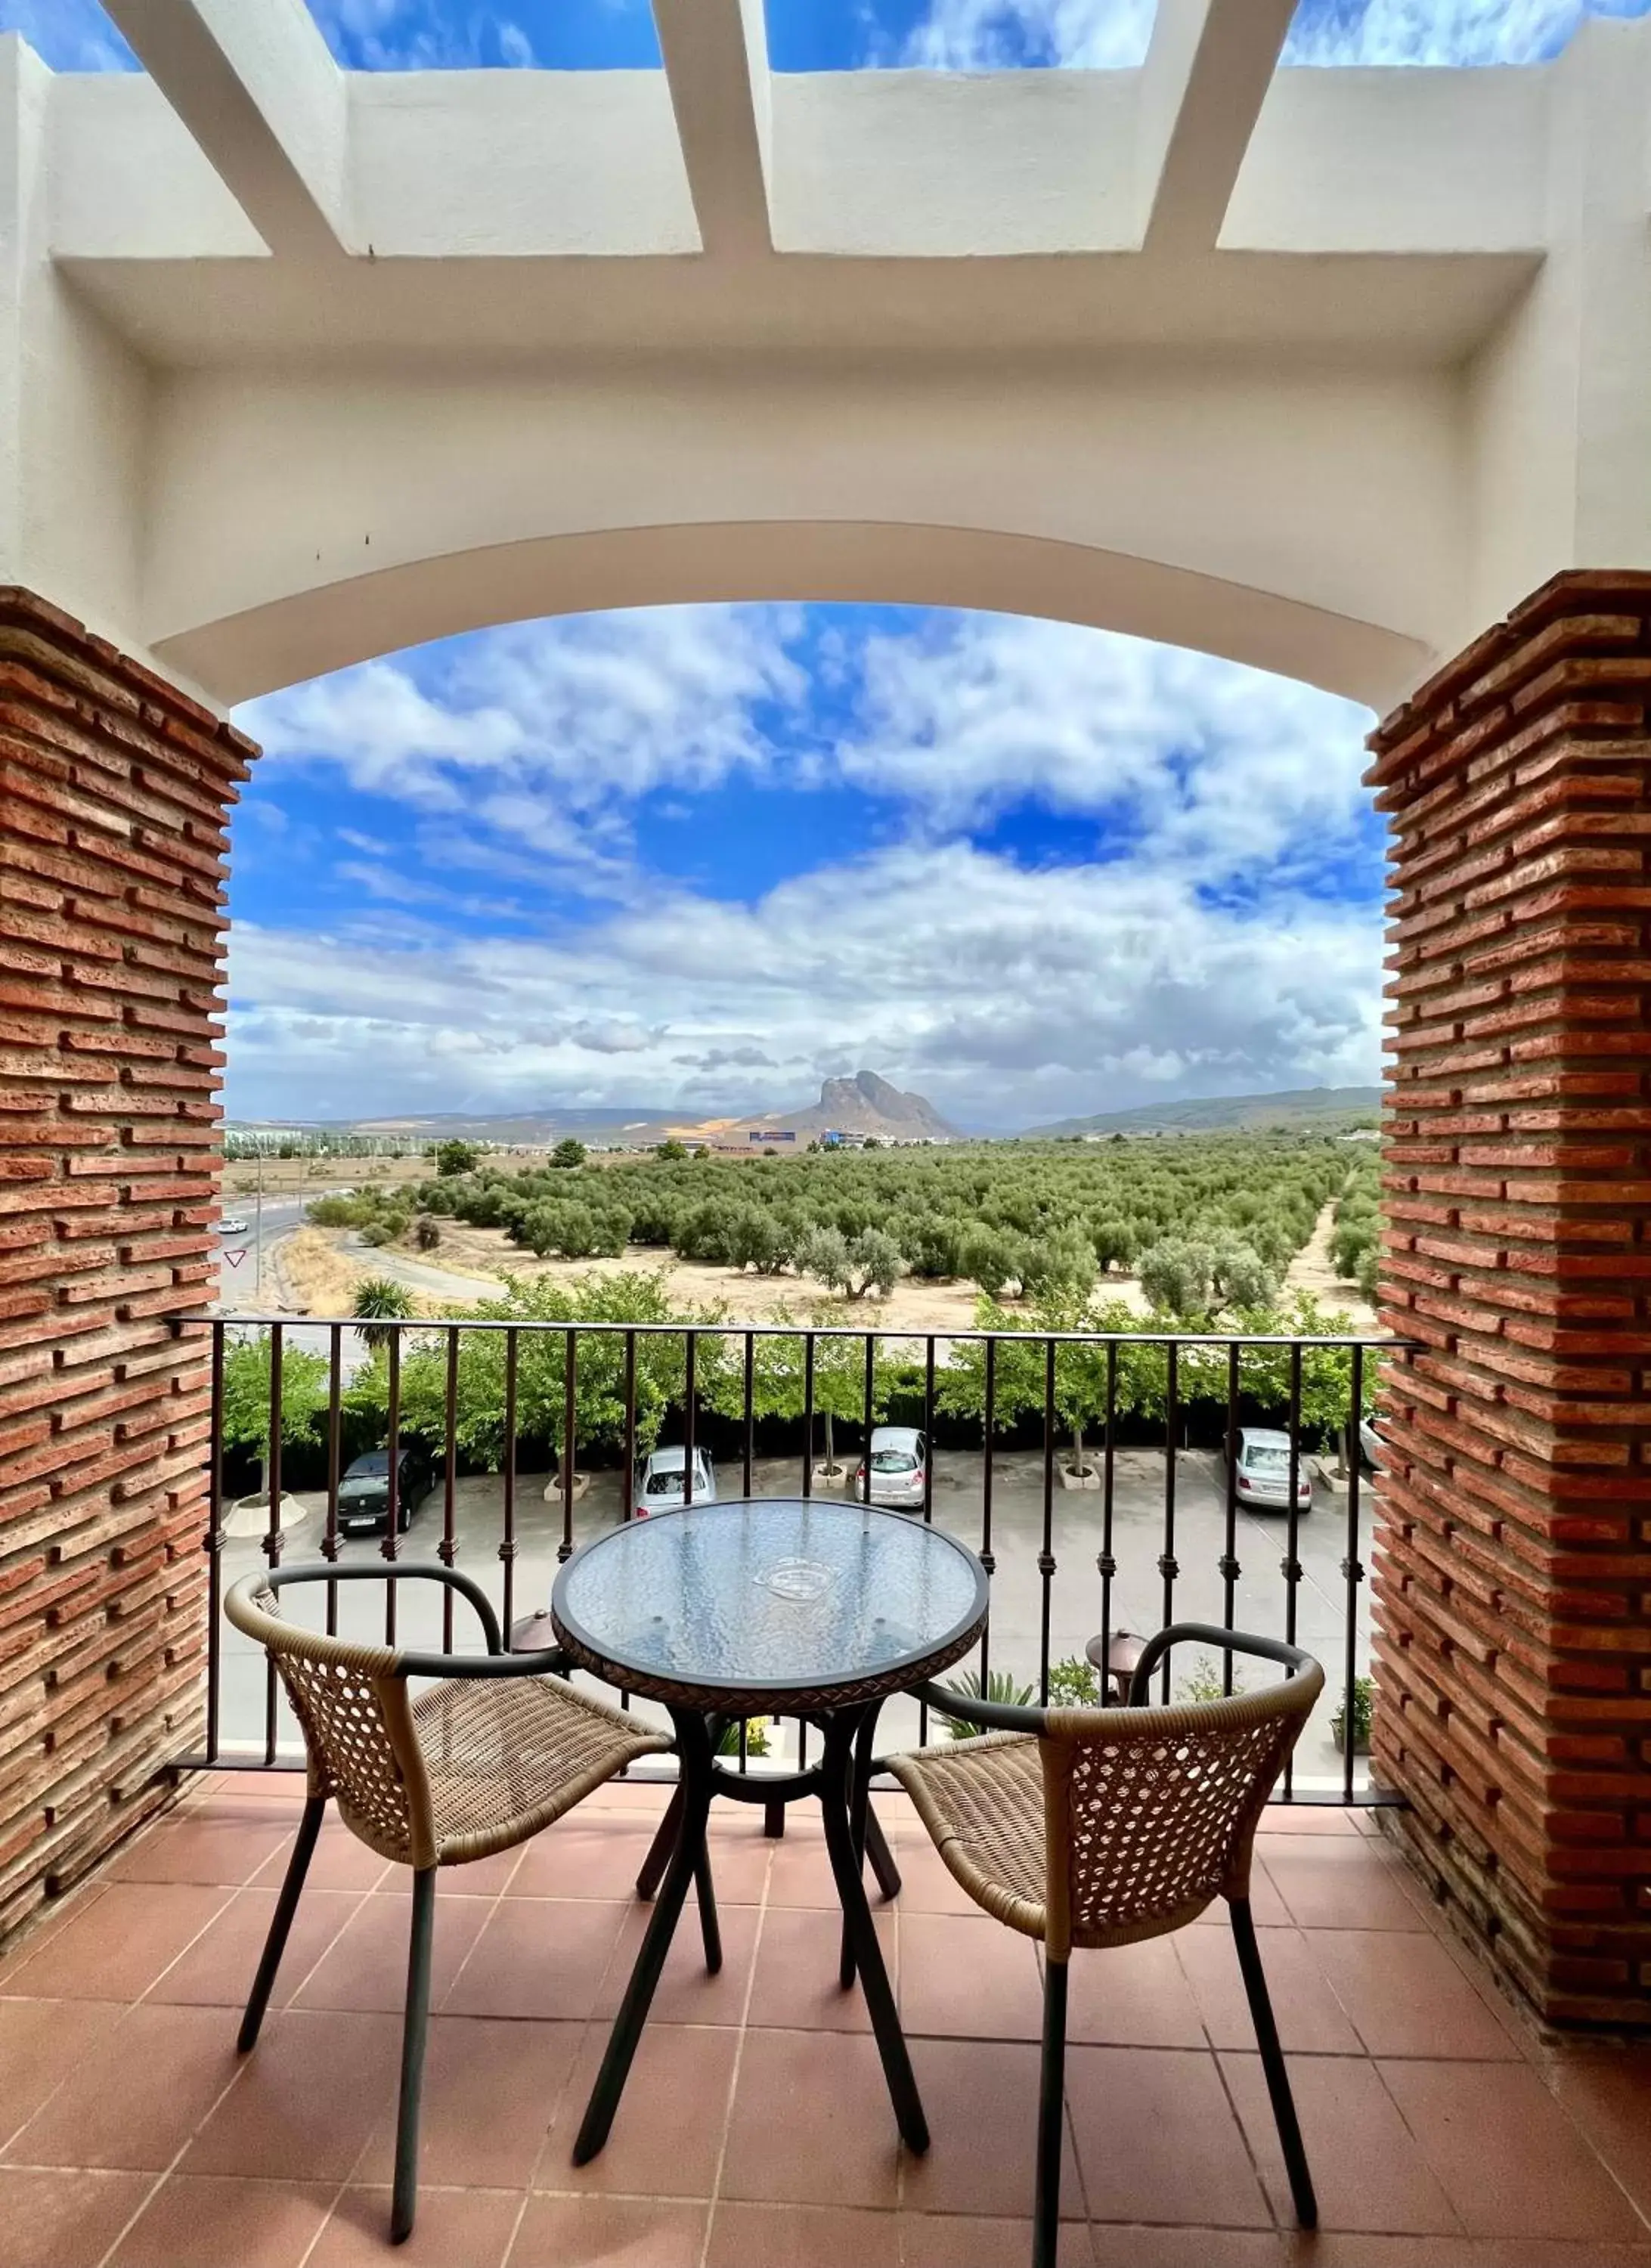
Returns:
<point x="378" y="1303"/>
<point x="999" y="1686"/>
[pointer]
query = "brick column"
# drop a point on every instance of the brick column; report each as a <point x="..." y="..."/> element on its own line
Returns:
<point x="114" y="796"/>
<point x="1512" y="1574"/>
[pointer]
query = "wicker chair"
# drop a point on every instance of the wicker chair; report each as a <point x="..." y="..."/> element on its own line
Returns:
<point x="1100" y="1827"/>
<point x="493" y="1751"/>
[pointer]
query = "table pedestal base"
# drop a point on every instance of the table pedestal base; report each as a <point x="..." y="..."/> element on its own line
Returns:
<point x="842" y="1782"/>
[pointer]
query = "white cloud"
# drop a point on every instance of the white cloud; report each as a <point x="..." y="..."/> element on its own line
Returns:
<point x="1007" y="996"/>
<point x="541" y="734"/>
<point x="997" y="35"/>
<point x="1212" y="765"/>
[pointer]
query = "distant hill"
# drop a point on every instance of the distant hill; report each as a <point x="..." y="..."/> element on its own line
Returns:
<point x="864" y="1104"/>
<point x="1305" y="1108"/>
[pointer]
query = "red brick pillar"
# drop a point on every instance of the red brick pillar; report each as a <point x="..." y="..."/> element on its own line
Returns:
<point x="114" y="796"/>
<point x="1512" y="1574"/>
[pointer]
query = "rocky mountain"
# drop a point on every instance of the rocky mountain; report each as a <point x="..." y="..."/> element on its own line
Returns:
<point x="865" y="1104"/>
<point x="1306" y="1109"/>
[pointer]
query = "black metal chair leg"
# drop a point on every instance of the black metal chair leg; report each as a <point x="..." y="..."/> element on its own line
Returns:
<point x="1272" y="2064"/>
<point x="660" y="1849"/>
<point x="881" y="1857"/>
<point x="415" y="2025"/>
<point x="693" y="1748"/>
<point x="704" y="1890"/>
<point x="1051" y="2101"/>
<point x="286" y="1906"/>
<point x="774" y="1820"/>
<point x="862" y="1933"/>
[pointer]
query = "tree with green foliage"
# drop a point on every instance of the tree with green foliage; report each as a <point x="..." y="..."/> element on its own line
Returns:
<point x="870" y="1260"/>
<point x="568" y="1153"/>
<point x="244" y="1416"/>
<point x="671" y="1151"/>
<point x="456" y="1157"/>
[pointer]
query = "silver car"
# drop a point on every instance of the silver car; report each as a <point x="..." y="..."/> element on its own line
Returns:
<point x="659" y="1482"/>
<point x="899" y="1463"/>
<point x="1264" y="1470"/>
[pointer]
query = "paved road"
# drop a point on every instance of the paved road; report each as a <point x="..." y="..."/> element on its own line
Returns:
<point x="1017" y="1590"/>
<point x="239" y="1284"/>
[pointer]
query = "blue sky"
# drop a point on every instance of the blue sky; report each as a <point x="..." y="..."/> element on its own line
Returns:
<point x="853" y="34"/>
<point x="702" y="857"/>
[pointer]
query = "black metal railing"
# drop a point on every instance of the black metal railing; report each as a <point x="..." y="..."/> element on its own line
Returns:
<point x="739" y="1387"/>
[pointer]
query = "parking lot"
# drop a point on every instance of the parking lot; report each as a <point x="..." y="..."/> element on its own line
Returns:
<point x="1075" y="1597"/>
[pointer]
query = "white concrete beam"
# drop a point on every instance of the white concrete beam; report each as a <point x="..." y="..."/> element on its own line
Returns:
<point x="263" y="97"/>
<point x="716" y="64"/>
<point x="1206" y="77"/>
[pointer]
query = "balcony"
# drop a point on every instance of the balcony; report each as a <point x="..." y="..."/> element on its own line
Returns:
<point x="757" y="2130"/>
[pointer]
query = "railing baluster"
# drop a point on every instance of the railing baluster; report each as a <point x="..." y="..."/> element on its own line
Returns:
<point x="1106" y="1564"/>
<point x="447" y="1549"/>
<point x="689" y="1396"/>
<point x="1046" y="1556"/>
<point x="212" y="1543"/>
<point x="391" y="1545"/>
<point x="928" y="1487"/>
<point x="865" y="1453"/>
<point x="629" y="1476"/>
<point x="335" y="1460"/>
<point x="272" y="1540"/>
<point x="507" y="1541"/>
<point x="748" y="1446"/>
<point x="1352" y="1575"/>
<point x="1229" y="1562"/>
<point x="987" y="1559"/>
<point x="569" y="1392"/>
<point x="1168" y="1568"/>
<point x="807" y="1414"/>
<point x="1290" y="1565"/>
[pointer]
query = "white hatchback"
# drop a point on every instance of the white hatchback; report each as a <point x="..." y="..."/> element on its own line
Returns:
<point x="1264" y="1470"/>
<point x="659" y="1482"/>
<point x="899" y="1463"/>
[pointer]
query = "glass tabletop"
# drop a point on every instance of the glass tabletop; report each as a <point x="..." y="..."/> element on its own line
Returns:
<point x="769" y="1599"/>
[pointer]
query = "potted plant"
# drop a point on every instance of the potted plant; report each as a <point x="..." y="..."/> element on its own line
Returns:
<point x="1362" y="1695"/>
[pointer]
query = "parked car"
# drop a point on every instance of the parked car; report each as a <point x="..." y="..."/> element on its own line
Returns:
<point x="233" y="1224"/>
<point x="659" y="1483"/>
<point x="364" y="1493"/>
<point x="1264" y="1470"/>
<point x="1370" y="1443"/>
<point x="899" y="1461"/>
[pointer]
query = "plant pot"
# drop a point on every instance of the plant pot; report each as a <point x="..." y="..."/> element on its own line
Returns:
<point x="553" y="1487"/>
<point x="1361" y="1742"/>
<point x="833" y="1475"/>
<point x="1079" y="1477"/>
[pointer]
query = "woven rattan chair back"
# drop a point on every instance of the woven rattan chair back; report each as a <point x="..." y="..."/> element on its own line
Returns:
<point x="1151" y="1814"/>
<point x="357" y="1719"/>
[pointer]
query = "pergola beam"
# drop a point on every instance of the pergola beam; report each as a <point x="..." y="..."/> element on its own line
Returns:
<point x="1206" y="77"/>
<point x="716" y="65"/>
<point x="265" y="102"/>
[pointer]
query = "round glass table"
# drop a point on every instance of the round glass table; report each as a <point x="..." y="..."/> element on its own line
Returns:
<point x="811" y="1607"/>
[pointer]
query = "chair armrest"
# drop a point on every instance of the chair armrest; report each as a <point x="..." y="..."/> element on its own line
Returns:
<point x="1293" y="1658"/>
<point x="398" y="1572"/>
<point x="549" y="1662"/>
<point x="990" y="1716"/>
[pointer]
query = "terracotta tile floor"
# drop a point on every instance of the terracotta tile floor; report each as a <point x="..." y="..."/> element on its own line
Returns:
<point x="756" y="2132"/>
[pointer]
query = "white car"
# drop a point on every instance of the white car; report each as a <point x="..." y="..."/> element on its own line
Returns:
<point x="1370" y="1443"/>
<point x="899" y="1461"/>
<point x="232" y="1225"/>
<point x="1264" y="1470"/>
<point x="659" y="1482"/>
